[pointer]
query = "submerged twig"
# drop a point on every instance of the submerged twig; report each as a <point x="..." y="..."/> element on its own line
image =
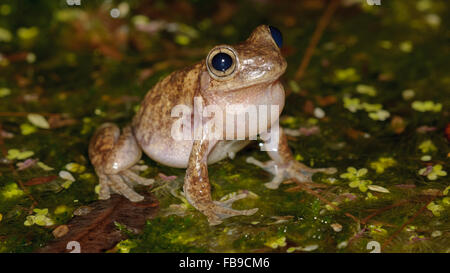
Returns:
<point x="24" y="114"/>
<point x="389" y="240"/>
<point x="40" y="180"/>
<point x="323" y="22"/>
<point x="400" y="203"/>
<point x="312" y="192"/>
<point x="356" y="236"/>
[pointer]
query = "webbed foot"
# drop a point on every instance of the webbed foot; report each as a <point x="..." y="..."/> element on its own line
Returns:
<point x="219" y="210"/>
<point x="114" y="157"/>
<point x="122" y="183"/>
<point x="292" y="170"/>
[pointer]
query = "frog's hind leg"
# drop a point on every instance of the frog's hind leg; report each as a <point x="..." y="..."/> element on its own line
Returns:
<point x="197" y="189"/>
<point x="114" y="157"/>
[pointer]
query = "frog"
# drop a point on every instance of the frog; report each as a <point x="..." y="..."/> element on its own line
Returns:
<point x="248" y="72"/>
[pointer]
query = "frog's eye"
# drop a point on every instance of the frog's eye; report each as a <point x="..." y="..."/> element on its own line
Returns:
<point x="221" y="62"/>
<point x="276" y="36"/>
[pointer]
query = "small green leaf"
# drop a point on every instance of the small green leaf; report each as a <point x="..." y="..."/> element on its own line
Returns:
<point x="27" y="129"/>
<point x="4" y="92"/>
<point x="16" y="154"/>
<point x="44" y="167"/>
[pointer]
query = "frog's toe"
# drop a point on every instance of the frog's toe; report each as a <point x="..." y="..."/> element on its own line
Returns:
<point x="139" y="168"/>
<point x="293" y="170"/>
<point x="104" y="193"/>
<point x="222" y="211"/>
<point x="300" y="175"/>
<point x="214" y="220"/>
<point x="307" y="171"/>
<point x="226" y="212"/>
<point x="268" y="166"/>
<point x="118" y="185"/>
<point x="331" y="170"/>
<point x="136" y="178"/>
<point x="275" y="183"/>
<point x="228" y="202"/>
<point x="219" y="210"/>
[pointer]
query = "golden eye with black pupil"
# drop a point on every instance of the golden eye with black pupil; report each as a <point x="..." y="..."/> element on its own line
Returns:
<point x="221" y="62"/>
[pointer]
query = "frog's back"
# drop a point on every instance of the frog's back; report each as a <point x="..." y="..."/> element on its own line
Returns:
<point x="152" y="123"/>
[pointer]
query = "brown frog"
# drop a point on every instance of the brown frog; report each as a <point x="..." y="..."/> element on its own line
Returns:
<point x="247" y="73"/>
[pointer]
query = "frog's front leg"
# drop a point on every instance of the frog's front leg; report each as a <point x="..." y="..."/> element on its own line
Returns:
<point x="198" y="190"/>
<point x="114" y="157"/>
<point x="284" y="166"/>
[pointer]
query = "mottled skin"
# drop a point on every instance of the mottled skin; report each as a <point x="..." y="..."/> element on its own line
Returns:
<point x="254" y="80"/>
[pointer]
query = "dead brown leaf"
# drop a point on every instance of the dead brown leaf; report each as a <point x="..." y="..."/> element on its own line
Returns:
<point x="96" y="231"/>
<point x="308" y="107"/>
<point x="398" y="124"/>
<point x="56" y="121"/>
<point x="40" y="180"/>
<point x="327" y="100"/>
<point x="354" y="134"/>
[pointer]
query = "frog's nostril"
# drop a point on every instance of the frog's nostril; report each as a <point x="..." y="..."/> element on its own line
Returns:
<point x="276" y="36"/>
<point x="222" y="61"/>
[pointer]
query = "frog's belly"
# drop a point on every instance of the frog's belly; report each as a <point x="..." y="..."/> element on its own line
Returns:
<point x="176" y="153"/>
<point x="226" y="148"/>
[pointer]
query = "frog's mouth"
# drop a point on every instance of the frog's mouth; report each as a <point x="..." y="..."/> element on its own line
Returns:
<point x="259" y="86"/>
<point x="262" y="84"/>
<point x="267" y="89"/>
